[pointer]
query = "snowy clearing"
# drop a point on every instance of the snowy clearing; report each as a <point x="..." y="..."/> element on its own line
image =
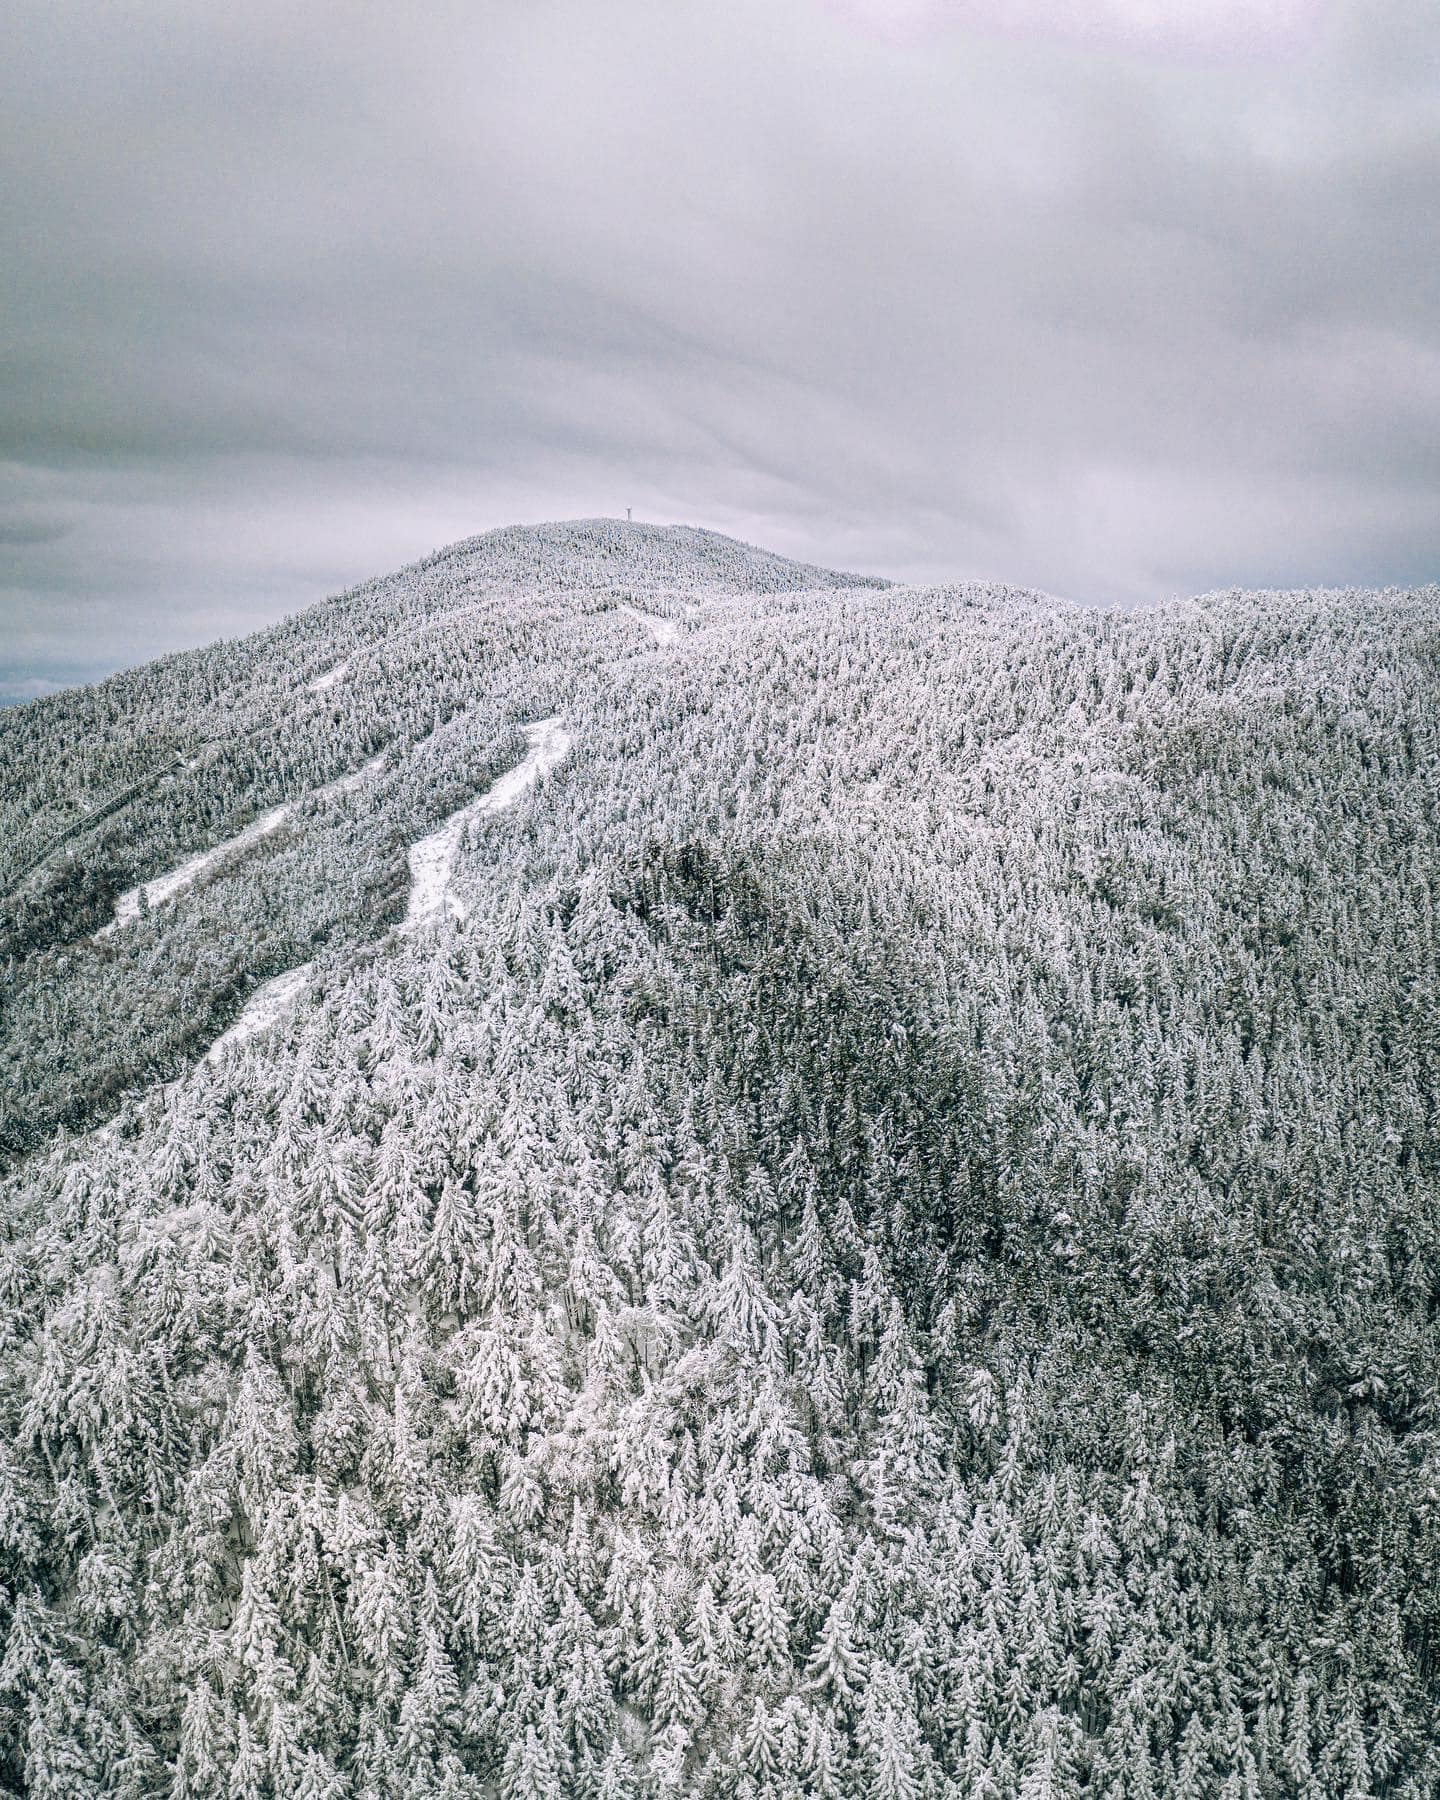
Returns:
<point x="166" y="887"/>
<point x="664" y="631"/>
<point x="432" y="859"/>
<point x="329" y="678"/>
<point x="265" y="1007"/>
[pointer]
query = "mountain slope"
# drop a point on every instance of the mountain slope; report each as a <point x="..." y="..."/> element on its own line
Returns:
<point x="89" y="744"/>
<point x="113" y="787"/>
<point x="887" y="1245"/>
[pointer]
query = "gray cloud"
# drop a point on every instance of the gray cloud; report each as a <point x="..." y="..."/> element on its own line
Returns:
<point x="293" y="295"/>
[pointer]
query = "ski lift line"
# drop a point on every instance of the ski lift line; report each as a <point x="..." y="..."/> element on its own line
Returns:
<point x="99" y="814"/>
<point x="95" y="817"/>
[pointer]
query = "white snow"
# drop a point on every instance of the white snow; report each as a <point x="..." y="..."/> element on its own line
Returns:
<point x="432" y="859"/>
<point x="165" y="887"/>
<point x="329" y="678"/>
<point x="265" y="1007"/>
<point x="664" y="631"/>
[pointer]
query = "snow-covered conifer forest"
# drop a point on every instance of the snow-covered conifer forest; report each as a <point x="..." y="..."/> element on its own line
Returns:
<point x="631" y="1169"/>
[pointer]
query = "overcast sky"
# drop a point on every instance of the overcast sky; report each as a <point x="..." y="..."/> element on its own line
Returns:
<point x="1135" y="306"/>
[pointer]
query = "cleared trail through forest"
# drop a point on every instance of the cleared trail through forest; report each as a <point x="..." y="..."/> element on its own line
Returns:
<point x="206" y="751"/>
<point x="165" y="887"/>
<point x="664" y="631"/>
<point x="96" y="816"/>
<point x="432" y="859"/>
<point x="329" y="678"/>
<point x="431" y="866"/>
<point x="265" y="1007"/>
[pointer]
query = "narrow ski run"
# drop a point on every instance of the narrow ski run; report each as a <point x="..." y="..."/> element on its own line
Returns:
<point x="432" y="859"/>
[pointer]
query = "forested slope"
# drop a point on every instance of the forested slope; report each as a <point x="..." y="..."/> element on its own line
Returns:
<point x="893" y="1250"/>
<point x="429" y="673"/>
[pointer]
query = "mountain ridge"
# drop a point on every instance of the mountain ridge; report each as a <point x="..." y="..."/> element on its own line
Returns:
<point x="769" y="1191"/>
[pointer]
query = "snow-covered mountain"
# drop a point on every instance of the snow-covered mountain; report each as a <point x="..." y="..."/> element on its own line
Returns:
<point x="638" y="1169"/>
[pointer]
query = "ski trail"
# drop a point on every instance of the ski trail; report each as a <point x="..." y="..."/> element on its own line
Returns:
<point x="345" y="784"/>
<point x="329" y="678"/>
<point x="265" y="1008"/>
<point x="432" y="859"/>
<point x="664" y="631"/>
<point x="166" y="887"/>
